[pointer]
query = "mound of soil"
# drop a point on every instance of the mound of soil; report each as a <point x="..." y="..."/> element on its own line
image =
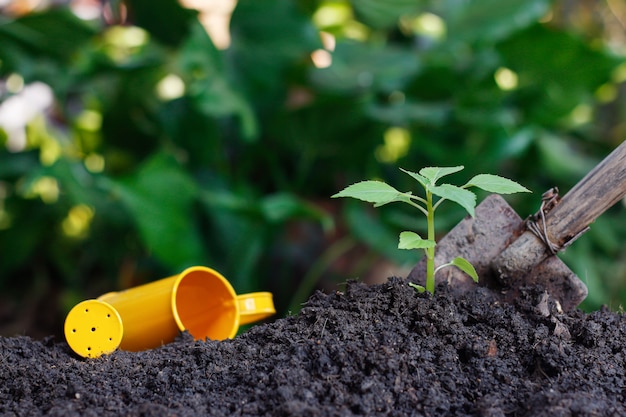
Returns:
<point x="378" y="350"/>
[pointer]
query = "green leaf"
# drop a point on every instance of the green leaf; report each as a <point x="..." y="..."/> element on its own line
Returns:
<point x="159" y="197"/>
<point x="422" y="180"/>
<point x="547" y="62"/>
<point x="384" y="14"/>
<point x="209" y="86"/>
<point x="360" y="67"/>
<point x="417" y="287"/>
<point x="465" y="266"/>
<point x="411" y="240"/>
<point x="55" y="33"/>
<point x="233" y="214"/>
<point x="461" y="196"/>
<point x="168" y="21"/>
<point x="434" y="173"/>
<point x="491" y="20"/>
<point x="428" y="114"/>
<point x="282" y="207"/>
<point x="376" y="192"/>
<point x="264" y="51"/>
<point x="496" y="184"/>
<point x="242" y="242"/>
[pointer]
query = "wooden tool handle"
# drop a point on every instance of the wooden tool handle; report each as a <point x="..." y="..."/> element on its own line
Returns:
<point x="600" y="189"/>
<point x="592" y="196"/>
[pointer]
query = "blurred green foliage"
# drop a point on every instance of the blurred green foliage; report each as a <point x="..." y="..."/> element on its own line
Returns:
<point x="160" y="151"/>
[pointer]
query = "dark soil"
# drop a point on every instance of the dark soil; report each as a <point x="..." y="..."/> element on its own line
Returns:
<point x="379" y="350"/>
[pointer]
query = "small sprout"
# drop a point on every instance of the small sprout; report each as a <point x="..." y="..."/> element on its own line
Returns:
<point x="380" y="193"/>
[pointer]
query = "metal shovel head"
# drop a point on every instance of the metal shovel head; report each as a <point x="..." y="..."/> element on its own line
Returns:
<point x="480" y="239"/>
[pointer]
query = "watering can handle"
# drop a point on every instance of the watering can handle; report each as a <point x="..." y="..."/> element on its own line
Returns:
<point x="255" y="306"/>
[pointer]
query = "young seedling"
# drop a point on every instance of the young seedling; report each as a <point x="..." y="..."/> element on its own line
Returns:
<point x="381" y="193"/>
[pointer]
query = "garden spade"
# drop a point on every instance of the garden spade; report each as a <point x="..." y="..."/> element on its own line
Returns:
<point x="509" y="253"/>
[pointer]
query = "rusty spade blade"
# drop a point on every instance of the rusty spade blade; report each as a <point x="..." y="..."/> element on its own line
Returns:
<point x="507" y="255"/>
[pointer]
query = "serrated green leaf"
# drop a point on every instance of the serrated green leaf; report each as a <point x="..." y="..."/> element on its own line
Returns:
<point x="465" y="266"/>
<point x="376" y="192"/>
<point x="411" y="240"/>
<point x="461" y="196"/>
<point x="421" y="179"/>
<point x="496" y="184"/>
<point x="434" y="173"/>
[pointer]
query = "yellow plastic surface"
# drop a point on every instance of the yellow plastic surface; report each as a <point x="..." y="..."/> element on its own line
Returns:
<point x="205" y="304"/>
<point x="93" y="328"/>
<point x="255" y="306"/>
<point x="146" y="313"/>
<point x="199" y="300"/>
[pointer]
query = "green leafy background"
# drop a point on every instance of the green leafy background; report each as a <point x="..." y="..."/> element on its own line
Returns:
<point x="117" y="186"/>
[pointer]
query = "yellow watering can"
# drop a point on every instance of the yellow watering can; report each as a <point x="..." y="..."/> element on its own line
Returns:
<point x="199" y="300"/>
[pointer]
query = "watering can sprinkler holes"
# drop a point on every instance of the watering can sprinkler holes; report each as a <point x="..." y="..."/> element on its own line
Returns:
<point x="93" y="328"/>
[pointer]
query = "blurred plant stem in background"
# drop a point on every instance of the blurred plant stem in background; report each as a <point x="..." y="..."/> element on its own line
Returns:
<point x="138" y="138"/>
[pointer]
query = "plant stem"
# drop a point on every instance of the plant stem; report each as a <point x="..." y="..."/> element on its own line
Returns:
<point x="430" y="252"/>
